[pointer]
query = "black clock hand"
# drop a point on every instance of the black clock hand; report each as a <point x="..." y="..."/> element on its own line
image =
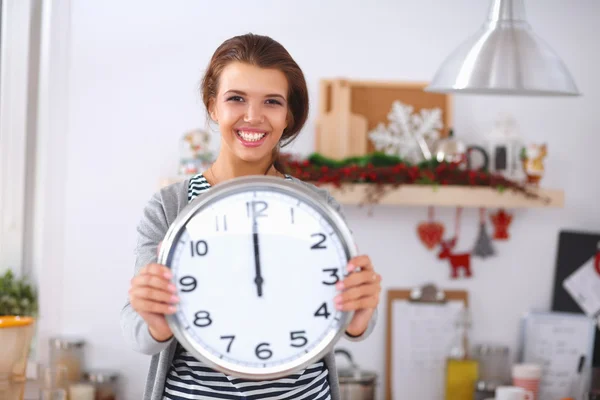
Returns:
<point x="258" y="279"/>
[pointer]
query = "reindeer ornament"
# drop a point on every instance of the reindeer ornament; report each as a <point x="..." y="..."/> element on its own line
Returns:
<point x="457" y="260"/>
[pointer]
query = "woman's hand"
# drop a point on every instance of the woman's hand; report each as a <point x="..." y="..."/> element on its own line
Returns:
<point x="360" y="293"/>
<point x="152" y="295"/>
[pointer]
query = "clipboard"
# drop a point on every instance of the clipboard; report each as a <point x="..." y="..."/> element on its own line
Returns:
<point x="428" y="310"/>
<point x="563" y="344"/>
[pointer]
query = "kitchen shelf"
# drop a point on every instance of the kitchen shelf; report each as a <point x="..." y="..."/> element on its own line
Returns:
<point x="451" y="196"/>
<point x="440" y="196"/>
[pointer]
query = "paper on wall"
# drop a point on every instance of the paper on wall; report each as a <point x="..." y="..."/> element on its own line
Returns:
<point x="584" y="287"/>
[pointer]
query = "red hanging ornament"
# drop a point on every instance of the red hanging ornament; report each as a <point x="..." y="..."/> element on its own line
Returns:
<point x="430" y="232"/>
<point x="458" y="261"/>
<point x="501" y="221"/>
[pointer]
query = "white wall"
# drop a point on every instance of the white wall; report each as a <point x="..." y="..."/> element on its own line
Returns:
<point x="132" y="82"/>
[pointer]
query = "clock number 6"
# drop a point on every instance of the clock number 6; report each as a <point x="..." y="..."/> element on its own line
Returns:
<point x="262" y="352"/>
<point x="199" y="248"/>
<point x="298" y="335"/>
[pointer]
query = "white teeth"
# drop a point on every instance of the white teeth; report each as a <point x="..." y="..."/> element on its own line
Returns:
<point x="250" y="136"/>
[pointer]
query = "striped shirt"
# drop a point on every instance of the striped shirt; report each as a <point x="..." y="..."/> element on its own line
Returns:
<point x="189" y="378"/>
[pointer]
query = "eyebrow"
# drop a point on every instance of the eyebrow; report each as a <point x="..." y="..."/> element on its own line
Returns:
<point x="244" y="94"/>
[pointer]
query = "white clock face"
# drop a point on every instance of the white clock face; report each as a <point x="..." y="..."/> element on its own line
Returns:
<point x="256" y="273"/>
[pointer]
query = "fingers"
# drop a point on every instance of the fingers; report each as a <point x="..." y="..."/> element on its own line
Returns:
<point x="153" y="282"/>
<point x="363" y="262"/>
<point x="365" y="296"/>
<point x="156" y="269"/>
<point x="151" y="290"/>
<point x="361" y="288"/>
<point x="152" y="294"/>
<point x="359" y="278"/>
<point x="148" y="306"/>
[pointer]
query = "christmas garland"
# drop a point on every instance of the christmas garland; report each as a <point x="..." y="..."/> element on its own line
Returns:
<point x="388" y="172"/>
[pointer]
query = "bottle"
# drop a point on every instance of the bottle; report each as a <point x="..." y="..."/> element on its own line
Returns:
<point x="461" y="370"/>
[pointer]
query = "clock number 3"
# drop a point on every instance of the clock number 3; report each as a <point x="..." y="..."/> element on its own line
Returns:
<point x="333" y="272"/>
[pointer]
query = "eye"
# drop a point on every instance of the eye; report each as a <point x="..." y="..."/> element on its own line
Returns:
<point x="273" y="101"/>
<point x="235" y="98"/>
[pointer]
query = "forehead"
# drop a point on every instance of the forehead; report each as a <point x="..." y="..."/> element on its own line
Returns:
<point x="252" y="80"/>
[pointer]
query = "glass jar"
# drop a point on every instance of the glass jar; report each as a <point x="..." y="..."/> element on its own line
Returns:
<point x="105" y="382"/>
<point x="68" y="352"/>
<point x="494" y="363"/>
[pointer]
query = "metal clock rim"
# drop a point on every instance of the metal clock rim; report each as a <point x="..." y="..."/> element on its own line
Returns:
<point x="241" y="184"/>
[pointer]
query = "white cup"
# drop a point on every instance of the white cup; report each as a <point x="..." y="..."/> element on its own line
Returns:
<point x="513" y="393"/>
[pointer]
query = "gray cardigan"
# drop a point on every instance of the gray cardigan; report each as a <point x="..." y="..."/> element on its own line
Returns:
<point x="159" y="213"/>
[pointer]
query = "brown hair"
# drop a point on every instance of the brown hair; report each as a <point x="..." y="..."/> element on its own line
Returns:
<point x="263" y="52"/>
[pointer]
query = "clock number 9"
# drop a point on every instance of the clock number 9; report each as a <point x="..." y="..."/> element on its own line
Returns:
<point x="262" y="352"/>
<point x="199" y="248"/>
<point x="189" y="283"/>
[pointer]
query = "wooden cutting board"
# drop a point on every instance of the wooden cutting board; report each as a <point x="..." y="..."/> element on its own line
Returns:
<point x="340" y="133"/>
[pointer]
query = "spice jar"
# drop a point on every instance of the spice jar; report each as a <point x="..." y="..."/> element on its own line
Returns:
<point x="68" y="352"/>
<point x="105" y="382"/>
<point x="494" y="362"/>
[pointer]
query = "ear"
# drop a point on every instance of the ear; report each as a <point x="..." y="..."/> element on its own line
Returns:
<point x="212" y="110"/>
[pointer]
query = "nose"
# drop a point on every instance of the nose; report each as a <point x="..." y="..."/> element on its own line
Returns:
<point x="254" y="114"/>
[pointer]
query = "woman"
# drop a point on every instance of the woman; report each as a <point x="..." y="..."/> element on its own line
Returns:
<point x="257" y="95"/>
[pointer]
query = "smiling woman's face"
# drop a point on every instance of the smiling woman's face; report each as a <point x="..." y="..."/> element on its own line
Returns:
<point x="251" y="108"/>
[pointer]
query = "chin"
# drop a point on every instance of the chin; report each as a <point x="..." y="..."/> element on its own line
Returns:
<point x="252" y="156"/>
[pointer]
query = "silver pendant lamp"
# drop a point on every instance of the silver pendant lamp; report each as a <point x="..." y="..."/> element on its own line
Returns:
<point x="504" y="57"/>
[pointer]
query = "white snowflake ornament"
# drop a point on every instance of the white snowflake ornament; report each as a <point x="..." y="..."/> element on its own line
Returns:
<point x="407" y="134"/>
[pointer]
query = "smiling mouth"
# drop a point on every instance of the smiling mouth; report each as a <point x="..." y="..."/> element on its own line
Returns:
<point x="251" y="136"/>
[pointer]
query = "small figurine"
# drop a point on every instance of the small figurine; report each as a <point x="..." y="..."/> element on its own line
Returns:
<point x="195" y="155"/>
<point x="501" y="221"/>
<point x="532" y="157"/>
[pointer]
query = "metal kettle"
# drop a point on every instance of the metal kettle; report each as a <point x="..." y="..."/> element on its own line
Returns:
<point x="355" y="384"/>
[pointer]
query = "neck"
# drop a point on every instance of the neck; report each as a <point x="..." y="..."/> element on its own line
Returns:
<point x="226" y="167"/>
